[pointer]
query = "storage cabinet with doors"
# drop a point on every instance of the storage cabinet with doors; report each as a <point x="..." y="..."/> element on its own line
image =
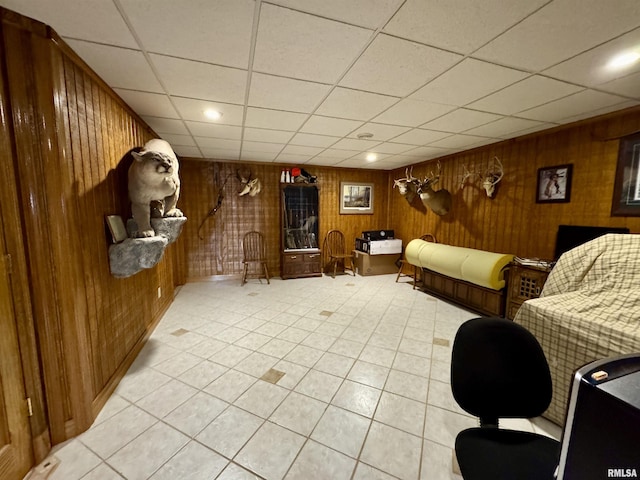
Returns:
<point x="299" y="231"/>
<point x="525" y="283"/>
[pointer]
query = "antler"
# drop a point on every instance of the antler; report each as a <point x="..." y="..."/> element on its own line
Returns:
<point x="466" y="175"/>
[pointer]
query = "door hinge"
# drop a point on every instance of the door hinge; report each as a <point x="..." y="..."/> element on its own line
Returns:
<point x="29" y="406"/>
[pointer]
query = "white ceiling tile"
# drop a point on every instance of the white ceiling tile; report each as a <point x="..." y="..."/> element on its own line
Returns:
<point x="392" y="66"/>
<point x="628" y="86"/>
<point x="301" y="150"/>
<point x="293" y="158"/>
<point x="460" y="25"/>
<point x="363" y="156"/>
<point x="592" y="67"/>
<point x="166" y="125"/>
<point x="257" y="156"/>
<point x="353" y="163"/>
<point x="276" y="119"/>
<point x="419" y="136"/>
<point x="205" y="129"/>
<point x="324" y="161"/>
<point x="454" y="88"/>
<point x="187" y="151"/>
<point x="119" y="67"/>
<point x="313" y="140"/>
<point x="306" y="47"/>
<point x="381" y="132"/>
<point x="354" y="104"/>
<point x="460" y="120"/>
<point x="330" y="126"/>
<point x="576" y="104"/>
<point x="265" y="147"/>
<point x="220" y="143"/>
<point x="355" y="144"/>
<point x="393" y="148"/>
<point x="560" y="30"/>
<point x="285" y="93"/>
<point x="601" y="111"/>
<point x="457" y="141"/>
<point x="529" y="93"/>
<point x="411" y="113"/>
<point x="193" y="109"/>
<point x="265" y="135"/>
<point x="221" y="153"/>
<point x="504" y="128"/>
<point x="179" y="140"/>
<point x="339" y="154"/>
<point x="101" y="21"/>
<point x="427" y="152"/>
<point x="207" y="82"/>
<point x="144" y="103"/>
<point x="366" y="13"/>
<point x="215" y="31"/>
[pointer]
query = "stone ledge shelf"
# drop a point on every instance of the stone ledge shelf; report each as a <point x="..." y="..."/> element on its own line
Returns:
<point x="135" y="254"/>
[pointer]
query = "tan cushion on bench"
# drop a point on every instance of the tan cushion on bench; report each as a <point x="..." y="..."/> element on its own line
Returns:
<point x="479" y="267"/>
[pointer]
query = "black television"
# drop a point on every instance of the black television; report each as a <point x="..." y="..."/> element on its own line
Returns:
<point x="570" y="236"/>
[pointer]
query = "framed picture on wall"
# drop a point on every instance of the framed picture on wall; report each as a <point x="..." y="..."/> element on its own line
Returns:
<point x="356" y="198"/>
<point x="554" y="184"/>
<point x="626" y="190"/>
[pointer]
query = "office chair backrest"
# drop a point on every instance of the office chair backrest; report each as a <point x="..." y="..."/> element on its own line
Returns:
<point x="498" y="370"/>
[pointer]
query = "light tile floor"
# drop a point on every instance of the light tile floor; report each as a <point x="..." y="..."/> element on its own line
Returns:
<point x="360" y="388"/>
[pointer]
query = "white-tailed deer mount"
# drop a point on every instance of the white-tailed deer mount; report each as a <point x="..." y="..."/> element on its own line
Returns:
<point x="489" y="179"/>
<point x="439" y="201"/>
<point x="251" y="186"/>
<point x="407" y="186"/>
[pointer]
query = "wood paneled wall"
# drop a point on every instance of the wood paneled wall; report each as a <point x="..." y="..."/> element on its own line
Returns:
<point x="72" y="136"/>
<point x="217" y="250"/>
<point x="512" y="221"/>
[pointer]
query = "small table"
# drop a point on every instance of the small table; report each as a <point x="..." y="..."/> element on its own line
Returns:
<point x="525" y="283"/>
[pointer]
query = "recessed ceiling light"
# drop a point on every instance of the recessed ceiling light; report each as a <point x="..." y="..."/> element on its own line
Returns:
<point x="212" y="114"/>
<point x="371" y="157"/>
<point x="624" y="59"/>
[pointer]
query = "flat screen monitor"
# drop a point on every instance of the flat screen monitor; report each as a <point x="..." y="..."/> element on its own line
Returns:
<point x="571" y="236"/>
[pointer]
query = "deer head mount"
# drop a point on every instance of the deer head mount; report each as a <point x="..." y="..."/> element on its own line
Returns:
<point x="437" y="200"/>
<point x="489" y="179"/>
<point x="407" y="186"/>
<point x="251" y="186"/>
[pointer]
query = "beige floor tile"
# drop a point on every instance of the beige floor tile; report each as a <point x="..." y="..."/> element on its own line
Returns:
<point x="203" y="374"/>
<point x="293" y="373"/>
<point x="230" y="385"/>
<point x="262" y="398"/>
<point x="319" y="385"/>
<point x="193" y="462"/>
<point x="230" y="431"/>
<point x="342" y="430"/>
<point x="392" y="451"/>
<point x="334" y="364"/>
<point x="317" y="462"/>
<point x="196" y="413"/>
<point x="407" y="385"/>
<point x="357" y="398"/>
<point x="260" y="456"/>
<point x="401" y="412"/>
<point x="299" y="413"/>
<point x="369" y="374"/>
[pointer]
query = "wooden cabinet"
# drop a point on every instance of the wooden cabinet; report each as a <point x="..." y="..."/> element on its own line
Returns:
<point x="299" y="231"/>
<point x="525" y="283"/>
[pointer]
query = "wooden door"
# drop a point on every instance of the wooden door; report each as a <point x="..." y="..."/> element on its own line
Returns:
<point x="15" y="437"/>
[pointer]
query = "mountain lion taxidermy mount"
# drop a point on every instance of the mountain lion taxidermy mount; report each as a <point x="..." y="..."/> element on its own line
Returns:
<point x="153" y="177"/>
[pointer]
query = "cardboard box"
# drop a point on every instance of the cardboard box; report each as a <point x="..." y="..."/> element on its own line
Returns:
<point x="379" y="247"/>
<point x="375" y="264"/>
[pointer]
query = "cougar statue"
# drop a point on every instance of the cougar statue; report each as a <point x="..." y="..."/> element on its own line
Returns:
<point x="153" y="177"/>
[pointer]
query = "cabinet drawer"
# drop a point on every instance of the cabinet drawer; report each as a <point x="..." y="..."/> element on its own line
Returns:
<point x="293" y="257"/>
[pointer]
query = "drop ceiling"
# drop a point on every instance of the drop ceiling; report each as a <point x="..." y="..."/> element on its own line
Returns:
<point x="297" y="81"/>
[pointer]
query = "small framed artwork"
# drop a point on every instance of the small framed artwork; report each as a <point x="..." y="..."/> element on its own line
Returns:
<point x="356" y="198"/>
<point x="117" y="228"/>
<point x="554" y="184"/>
<point x="626" y="190"/>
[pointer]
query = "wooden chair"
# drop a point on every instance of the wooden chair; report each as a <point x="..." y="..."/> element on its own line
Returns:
<point x="334" y="247"/>
<point x="254" y="254"/>
<point x="427" y="238"/>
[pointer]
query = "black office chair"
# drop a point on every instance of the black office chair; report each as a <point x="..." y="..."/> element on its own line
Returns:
<point x="498" y="370"/>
